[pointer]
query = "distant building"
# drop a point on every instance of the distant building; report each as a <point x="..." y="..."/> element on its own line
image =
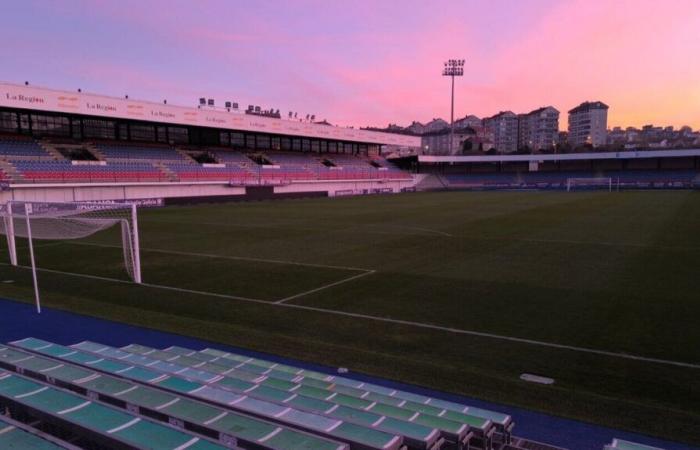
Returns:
<point x="438" y="142"/>
<point x="435" y="125"/>
<point x="651" y="136"/>
<point x="416" y="128"/>
<point x="538" y="129"/>
<point x="588" y="124"/>
<point x="563" y="137"/>
<point x="502" y="129"/>
<point x="470" y="121"/>
<point x="617" y="136"/>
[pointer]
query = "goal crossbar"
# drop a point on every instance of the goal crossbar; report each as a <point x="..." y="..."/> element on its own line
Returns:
<point x="70" y="220"/>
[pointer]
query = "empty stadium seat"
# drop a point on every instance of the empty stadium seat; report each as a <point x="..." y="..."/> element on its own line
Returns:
<point x="417" y="423"/>
<point x="625" y="178"/>
<point x="90" y="419"/>
<point x="130" y="152"/>
<point x="128" y="162"/>
<point x="358" y="436"/>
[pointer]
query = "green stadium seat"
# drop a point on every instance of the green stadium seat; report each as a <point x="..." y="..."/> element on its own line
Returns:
<point x="92" y="420"/>
<point x="422" y="427"/>
<point x="455" y="426"/>
<point x="361" y="437"/>
<point x="220" y="421"/>
<point x="16" y="436"/>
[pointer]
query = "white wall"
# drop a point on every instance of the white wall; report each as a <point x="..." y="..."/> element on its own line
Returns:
<point x="87" y="192"/>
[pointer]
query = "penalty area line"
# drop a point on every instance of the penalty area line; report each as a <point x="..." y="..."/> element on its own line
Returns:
<point x="409" y="323"/>
<point x="150" y="285"/>
<point x="326" y="286"/>
<point x="237" y="258"/>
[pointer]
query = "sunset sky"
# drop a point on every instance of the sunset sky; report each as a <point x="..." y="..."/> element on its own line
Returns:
<point x="369" y="62"/>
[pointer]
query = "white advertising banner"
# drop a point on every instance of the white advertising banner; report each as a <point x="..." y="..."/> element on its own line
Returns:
<point x="33" y="98"/>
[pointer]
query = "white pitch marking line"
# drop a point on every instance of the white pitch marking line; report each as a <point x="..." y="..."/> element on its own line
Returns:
<point x="330" y="285"/>
<point x="240" y="258"/>
<point x="396" y="321"/>
<point x="296" y="228"/>
<point x="157" y="286"/>
<point x="428" y="230"/>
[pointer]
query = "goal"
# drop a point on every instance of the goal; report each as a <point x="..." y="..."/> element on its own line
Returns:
<point x="70" y="220"/>
<point x="589" y="183"/>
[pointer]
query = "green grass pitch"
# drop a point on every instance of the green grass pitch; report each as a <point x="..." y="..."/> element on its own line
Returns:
<point x="617" y="272"/>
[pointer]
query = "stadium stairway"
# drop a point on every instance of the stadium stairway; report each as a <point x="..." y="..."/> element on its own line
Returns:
<point x="49" y="148"/>
<point x="169" y="173"/>
<point x="431" y="182"/>
<point x="10" y="172"/>
<point x="92" y="148"/>
<point x="185" y="155"/>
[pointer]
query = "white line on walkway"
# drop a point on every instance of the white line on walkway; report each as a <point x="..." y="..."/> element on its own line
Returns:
<point x="398" y="322"/>
<point x="330" y="285"/>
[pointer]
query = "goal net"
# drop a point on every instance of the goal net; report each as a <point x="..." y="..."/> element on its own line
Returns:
<point x="589" y="183"/>
<point x="71" y="220"/>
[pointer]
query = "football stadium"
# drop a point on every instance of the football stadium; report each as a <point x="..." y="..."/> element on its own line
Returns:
<point x="197" y="278"/>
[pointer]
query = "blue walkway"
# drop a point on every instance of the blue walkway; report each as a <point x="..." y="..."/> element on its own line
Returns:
<point x="19" y="320"/>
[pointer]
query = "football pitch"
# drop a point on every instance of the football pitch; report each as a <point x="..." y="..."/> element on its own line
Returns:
<point x="456" y="291"/>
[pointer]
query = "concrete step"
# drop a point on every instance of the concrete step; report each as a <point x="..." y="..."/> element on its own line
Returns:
<point x="431" y="182"/>
<point x="170" y="175"/>
<point x="92" y="148"/>
<point x="51" y="150"/>
<point x="11" y="171"/>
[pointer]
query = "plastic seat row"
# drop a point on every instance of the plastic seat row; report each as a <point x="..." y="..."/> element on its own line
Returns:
<point x="133" y="152"/>
<point x="313" y="395"/>
<point x="560" y="178"/>
<point x="214" y="422"/>
<point x="91" y="419"/>
<point x="264" y="381"/>
<point x="357" y="436"/>
<point x="336" y="383"/>
<point x="21" y="149"/>
<point x="14" y="435"/>
<point x="421" y="431"/>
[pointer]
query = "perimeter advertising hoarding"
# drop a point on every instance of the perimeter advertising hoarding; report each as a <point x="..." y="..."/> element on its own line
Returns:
<point x="29" y="97"/>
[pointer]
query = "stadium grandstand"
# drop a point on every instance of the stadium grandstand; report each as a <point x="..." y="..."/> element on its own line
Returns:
<point x="653" y="169"/>
<point x="52" y="139"/>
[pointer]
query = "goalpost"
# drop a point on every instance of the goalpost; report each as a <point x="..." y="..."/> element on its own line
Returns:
<point x="593" y="182"/>
<point x="70" y="220"/>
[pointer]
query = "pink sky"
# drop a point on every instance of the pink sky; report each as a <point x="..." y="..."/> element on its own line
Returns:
<point x="370" y="62"/>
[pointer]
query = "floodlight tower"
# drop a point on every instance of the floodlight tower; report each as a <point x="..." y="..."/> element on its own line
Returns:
<point x="453" y="68"/>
